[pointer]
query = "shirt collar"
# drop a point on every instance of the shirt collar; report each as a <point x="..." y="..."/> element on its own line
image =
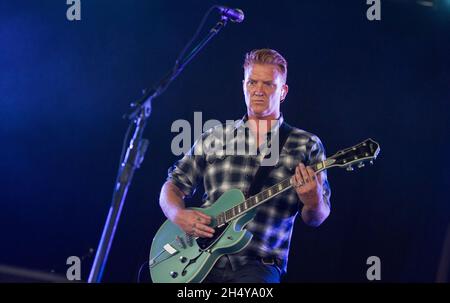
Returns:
<point x="275" y="127"/>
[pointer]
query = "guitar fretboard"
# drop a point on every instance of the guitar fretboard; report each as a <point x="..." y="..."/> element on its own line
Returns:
<point x="263" y="196"/>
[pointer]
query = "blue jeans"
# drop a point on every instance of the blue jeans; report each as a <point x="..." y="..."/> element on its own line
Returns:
<point x="255" y="271"/>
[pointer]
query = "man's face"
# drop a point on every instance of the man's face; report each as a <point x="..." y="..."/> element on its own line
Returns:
<point x="264" y="90"/>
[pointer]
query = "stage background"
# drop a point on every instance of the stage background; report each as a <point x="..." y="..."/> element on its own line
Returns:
<point x="64" y="87"/>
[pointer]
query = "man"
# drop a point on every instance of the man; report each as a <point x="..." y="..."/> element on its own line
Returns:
<point x="265" y="258"/>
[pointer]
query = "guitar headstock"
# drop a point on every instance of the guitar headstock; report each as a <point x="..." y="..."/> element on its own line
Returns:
<point x="357" y="155"/>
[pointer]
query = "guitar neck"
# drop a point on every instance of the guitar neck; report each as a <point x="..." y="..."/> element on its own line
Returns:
<point x="265" y="195"/>
<point x="365" y="151"/>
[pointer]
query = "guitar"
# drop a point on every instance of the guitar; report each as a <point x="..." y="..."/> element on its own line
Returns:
<point x="176" y="257"/>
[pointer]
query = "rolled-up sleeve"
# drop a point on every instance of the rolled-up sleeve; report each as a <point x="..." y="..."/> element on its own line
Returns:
<point x="187" y="173"/>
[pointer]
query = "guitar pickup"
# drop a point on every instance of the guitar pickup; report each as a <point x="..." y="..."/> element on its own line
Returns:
<point x="181" y="242"/>
<point x="190" y="240"/>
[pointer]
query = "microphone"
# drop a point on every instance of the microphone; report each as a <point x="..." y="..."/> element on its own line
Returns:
<point x="234" y="14"/>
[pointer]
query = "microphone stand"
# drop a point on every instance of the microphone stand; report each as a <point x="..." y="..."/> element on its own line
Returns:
<point x="135" y="155"/>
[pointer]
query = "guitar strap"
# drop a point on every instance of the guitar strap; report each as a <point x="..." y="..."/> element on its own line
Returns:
<point x="263" y="171"/>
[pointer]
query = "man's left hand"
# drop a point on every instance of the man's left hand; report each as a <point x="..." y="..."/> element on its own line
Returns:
<point x="308" y="186"/>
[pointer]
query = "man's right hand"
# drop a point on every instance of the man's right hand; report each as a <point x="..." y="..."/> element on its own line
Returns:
<point x="194" y="223"/>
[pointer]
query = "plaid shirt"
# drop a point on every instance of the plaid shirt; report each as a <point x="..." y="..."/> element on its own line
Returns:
<point x="218" y="172"/>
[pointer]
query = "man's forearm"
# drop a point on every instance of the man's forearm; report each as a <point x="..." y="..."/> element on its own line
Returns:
<point x="171" y="200"/>
<point x="315" y="216"/>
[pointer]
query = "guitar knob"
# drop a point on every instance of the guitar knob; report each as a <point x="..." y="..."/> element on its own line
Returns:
<point x="360" y="165"/>
<point x="183" y="259"/>
<point x="349" y="168"/>
<point x="173" y="274"/>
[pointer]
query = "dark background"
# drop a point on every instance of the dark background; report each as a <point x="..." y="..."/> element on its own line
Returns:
<point x="65" y="85"/>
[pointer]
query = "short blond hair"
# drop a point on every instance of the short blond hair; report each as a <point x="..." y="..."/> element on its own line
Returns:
<point x="266" y="56"/>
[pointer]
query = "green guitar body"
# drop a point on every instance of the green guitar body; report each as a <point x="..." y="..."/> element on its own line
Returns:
<point x="177" y="258"/>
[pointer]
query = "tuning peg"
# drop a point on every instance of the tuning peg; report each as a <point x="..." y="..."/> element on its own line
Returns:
<point x="349" y="168"/>
<point x="361" y="165"/>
